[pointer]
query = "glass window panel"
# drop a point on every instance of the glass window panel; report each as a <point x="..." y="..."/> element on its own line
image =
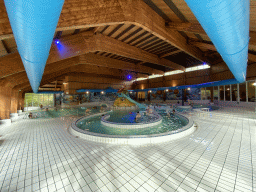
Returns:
<point x="234" y="92"/>
<point x="227" y="92"/>
<point x="242" y="90"/>
<point x="251" y="91"/>
<point x="222" y="93"/>
<point x="28" y="99"/>
<point x="215" y="93"/>
<point x="51" y="100"/>
<point x="208" y="93"/>
<point x="203" y="95"/>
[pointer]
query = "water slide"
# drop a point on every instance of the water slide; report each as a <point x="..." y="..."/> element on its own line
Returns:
<point x="141" y="106"/>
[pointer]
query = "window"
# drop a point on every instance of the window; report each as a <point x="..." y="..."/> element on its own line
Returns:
<point x="215" y="93"/>
<point x="141" y="78"/>
<point x="203" y="94"/>
<point x="154" y="76"/>
<point x="227" y="92"/>
<point x="242" y="91"/>
<point x="234" y="92"/>
<point x="251" y="91"/>
<point x="173" y="72"/>
<point x="35" y="100"/>
<point x="222" y="93"/>
<point x="208" y="93"/>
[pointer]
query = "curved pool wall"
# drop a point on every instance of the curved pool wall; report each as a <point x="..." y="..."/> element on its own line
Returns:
<point x="132" y="139"/>
<point x="105" y="122"/>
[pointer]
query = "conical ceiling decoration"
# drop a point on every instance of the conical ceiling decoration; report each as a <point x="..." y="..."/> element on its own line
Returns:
<point x="33" y="24"/>
<point x="226" y="22"/>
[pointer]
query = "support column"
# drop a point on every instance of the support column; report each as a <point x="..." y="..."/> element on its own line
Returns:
<point x="224" y="93"/>
<point x="238" y="93"/>
<point x="21" y="101"/>
<point x="246" y="85"/>
<point x="211" y="89"/>
<point x="230" y="89"/>
<point x="5" y="102"/>
<point x="14" y="101"/>
<point x="218" y="93"/>
<point x="183" y="97"/>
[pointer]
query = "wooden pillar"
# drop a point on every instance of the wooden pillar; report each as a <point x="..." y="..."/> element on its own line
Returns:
<point x="5" y="102"/>
<point x="14" y="101"/>
<point x="21" y="101"/>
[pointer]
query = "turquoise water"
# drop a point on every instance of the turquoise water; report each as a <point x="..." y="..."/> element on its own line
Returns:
<point x="169" y="123"/>
<point x="129" y="117"/>
<point x="77" y="111"/>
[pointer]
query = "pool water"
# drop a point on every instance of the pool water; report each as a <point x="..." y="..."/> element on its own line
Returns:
<point x="169" y="123"/>
<point x="78" y="111"/>
<point x="129" y="117"/>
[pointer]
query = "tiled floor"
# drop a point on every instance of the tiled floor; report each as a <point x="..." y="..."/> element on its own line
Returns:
<point x="40" y="155"/>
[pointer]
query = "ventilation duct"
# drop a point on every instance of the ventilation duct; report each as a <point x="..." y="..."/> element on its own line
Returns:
<point x="33" y="24"/>
<point x="226" y="22"/>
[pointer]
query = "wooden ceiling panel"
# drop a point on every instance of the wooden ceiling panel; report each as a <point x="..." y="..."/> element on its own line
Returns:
<point x="68" y="32"/>
<point x="253" y="15"/>
<point x="133" y="35"/>
<point x="166" y="10"/>
<point x="120" y="30"/>
<point x="109" y="29"/>
<point x="185" y="10"/>
<point x="131" y="31"/>
<point x="10" y="44"/>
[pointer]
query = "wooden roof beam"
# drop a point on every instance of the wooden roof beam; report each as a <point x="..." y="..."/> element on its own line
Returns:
<point x="251" y="57"/>
<point x="110" y="45"/>
<point x="171" y="53"/>
<point x="94" y="59"/>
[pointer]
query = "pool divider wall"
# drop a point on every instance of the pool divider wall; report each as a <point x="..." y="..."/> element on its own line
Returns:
<point x="131" y="125"/>
<point x="134" y="139"/>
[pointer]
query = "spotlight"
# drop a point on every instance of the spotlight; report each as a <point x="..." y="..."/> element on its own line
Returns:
<point x="87" y="92"/>
<point x="130" y="92"/>
<point x="57" y="42"/>
<point x="150" y="91"/>
<point x="254" y="84"/>
<point x="189" y="88"/>
<point x="102" y="92"/>
<point x="129" y="77"/>
<point x="167" y="90"/>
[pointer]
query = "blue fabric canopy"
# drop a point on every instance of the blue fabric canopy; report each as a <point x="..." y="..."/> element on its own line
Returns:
<point x="33" y="24"/>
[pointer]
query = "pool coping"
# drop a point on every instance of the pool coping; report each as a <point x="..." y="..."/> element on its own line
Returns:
<point x="132" y="139"/>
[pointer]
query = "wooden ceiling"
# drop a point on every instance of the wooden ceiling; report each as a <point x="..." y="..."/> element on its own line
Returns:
<point x="156" y="36"/>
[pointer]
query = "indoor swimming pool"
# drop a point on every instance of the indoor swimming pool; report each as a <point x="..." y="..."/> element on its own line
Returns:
<point x="169" y="123"/>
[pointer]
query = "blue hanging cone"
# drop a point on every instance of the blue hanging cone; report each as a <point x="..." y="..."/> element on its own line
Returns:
<point x="226" y="22"/>
<point x="33" y="24"/>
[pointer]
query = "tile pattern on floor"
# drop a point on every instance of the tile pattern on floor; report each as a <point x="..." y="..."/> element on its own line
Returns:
<point x="41" y="155"/>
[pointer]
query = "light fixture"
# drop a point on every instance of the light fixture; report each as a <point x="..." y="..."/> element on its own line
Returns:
<point x="87" y="92"/>
<point x="102" y="92"/>
<point x="254" y="84"/>
<point x="167" y="90"/>
<point x="65" y="83"/>
<point x="130" y="92"/>
<point x="57" y="42"/>
<point x="228" y="89"/>
<point x="188" y="88"/>
<point x="150" y="91"/>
